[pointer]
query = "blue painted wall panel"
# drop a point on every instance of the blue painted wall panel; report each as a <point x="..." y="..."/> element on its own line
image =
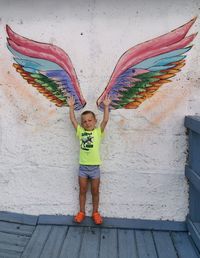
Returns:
<point x="192" y="172"/>
<point x="194" y="204"/>
<point x="194" y="151"/>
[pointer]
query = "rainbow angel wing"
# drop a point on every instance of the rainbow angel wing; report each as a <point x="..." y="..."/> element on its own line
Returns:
<point x="143" y="69"/>
<point x="47" y="67"/>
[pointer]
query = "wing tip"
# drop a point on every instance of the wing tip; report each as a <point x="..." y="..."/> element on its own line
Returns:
<point x="194" y="19"/>
<point x="190" y="23"/>
<point x="8" y="28"/>
<point x="9" y="31"/>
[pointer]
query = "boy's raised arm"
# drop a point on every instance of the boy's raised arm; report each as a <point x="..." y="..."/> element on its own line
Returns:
<point x="104" y="122"/>
<point x="71" y="111"/>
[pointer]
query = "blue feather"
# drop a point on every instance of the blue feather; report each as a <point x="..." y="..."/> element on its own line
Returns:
<point x="160" y="68"/>
<point x="169" y="60"/>
<point x="30" y="70"/>
<point x="153" y="60"/>
<point x="28" y="63"/>
<point x="44" y="64"/>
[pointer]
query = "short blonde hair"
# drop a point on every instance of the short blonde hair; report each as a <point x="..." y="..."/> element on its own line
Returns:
<point x="88" y="112"/>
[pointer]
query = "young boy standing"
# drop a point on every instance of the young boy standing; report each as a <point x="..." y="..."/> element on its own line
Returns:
<point x="89" y="160"/>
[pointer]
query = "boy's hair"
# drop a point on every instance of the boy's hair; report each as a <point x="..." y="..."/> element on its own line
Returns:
<point x="88" y="112"/>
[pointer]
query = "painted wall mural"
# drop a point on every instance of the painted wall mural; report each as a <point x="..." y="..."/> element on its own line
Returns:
<point x="138" y="74"/>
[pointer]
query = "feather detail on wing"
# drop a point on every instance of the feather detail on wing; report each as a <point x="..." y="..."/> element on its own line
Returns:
<point x="47" y="67"/>
<point x="143" y="69"/>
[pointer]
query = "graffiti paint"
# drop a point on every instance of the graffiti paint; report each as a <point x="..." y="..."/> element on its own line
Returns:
<point x="47" y="68"/>
<point x="143" y="69"/>
<point x="138" y="75"/>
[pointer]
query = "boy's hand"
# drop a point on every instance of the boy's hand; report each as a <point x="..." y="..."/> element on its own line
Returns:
<point x="107" y="101"/>
<point x="71" y="101"/>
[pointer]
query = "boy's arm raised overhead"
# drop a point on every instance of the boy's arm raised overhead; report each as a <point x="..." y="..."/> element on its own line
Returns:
<point x="72" y="117"/>
<point x="104" y="122"/>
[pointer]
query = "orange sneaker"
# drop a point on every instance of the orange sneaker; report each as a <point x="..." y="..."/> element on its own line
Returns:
<point x="80" y="216"/>
<point x="97" y="218"/>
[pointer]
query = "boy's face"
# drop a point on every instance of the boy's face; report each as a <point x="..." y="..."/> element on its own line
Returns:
<point x="88" y="122"/>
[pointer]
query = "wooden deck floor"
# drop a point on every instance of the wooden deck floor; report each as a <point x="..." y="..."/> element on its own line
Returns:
<point x="52" y="241"/>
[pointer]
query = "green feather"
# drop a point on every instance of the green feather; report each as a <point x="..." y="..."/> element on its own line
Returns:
<point x="131" y="93"/>
<point x="50" y="85"/>
<point x="148" y="75"/>
<point x="37" y="75"/>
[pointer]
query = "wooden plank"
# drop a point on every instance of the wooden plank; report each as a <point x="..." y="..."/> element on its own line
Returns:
<point x="72" y="243"/>
<point x="164" y="245"/>
<point x="55" y="220"/>
<point x="194" y="207"/>
<point x="90" y="243"/>
<point x="193" y="123"/>
<point x="145" y="244"/>
<point x="193" y="177"/>
<point x="115" y="223"/>
<point x="18" y="218"/>
<point x="194" y="149"/>
<point x="13" y="239"/>
<point x="54" y="243"/>
<point x="127" y="244"/>
<point x="37" y="242"/>
<point x="195" y="233"/>
<point x="15" y="248"/>
<point x="183" y="245"/>
<point x="194" y="193"/>
<point x="17" y="229"/>
<point x="108" y="243"/>
<point x="197" y="225"/>
<point x="9" y="254"/>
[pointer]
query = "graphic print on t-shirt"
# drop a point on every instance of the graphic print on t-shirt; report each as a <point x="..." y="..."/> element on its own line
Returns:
<point x="86" y="141"/>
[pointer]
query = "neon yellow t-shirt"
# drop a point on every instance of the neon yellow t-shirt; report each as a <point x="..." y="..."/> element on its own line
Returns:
<point x="89" y="145"/>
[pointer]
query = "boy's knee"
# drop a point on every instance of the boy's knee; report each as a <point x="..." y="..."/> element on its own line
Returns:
<point x="95" y="191"/>
<point x="83" y="190"/>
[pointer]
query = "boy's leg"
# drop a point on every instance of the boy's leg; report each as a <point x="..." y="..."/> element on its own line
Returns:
<point x="95" y="193"/>
<point x="83" y="186"/>
<point x="95" y="201"/>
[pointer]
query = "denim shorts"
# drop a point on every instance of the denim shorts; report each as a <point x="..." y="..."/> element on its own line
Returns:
<point x="89" y="171"/>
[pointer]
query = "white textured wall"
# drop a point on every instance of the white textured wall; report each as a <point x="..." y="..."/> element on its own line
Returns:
<point x="144" y="151"/>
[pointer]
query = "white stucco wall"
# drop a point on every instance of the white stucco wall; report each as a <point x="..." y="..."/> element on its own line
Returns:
<point x="144" y="151"/>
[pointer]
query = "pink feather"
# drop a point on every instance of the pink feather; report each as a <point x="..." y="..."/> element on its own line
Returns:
<point x="168" y="42"/>
<point x="46" y="51"/>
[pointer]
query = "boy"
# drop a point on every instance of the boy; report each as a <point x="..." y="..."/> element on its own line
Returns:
<point x="90" y="138"/>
